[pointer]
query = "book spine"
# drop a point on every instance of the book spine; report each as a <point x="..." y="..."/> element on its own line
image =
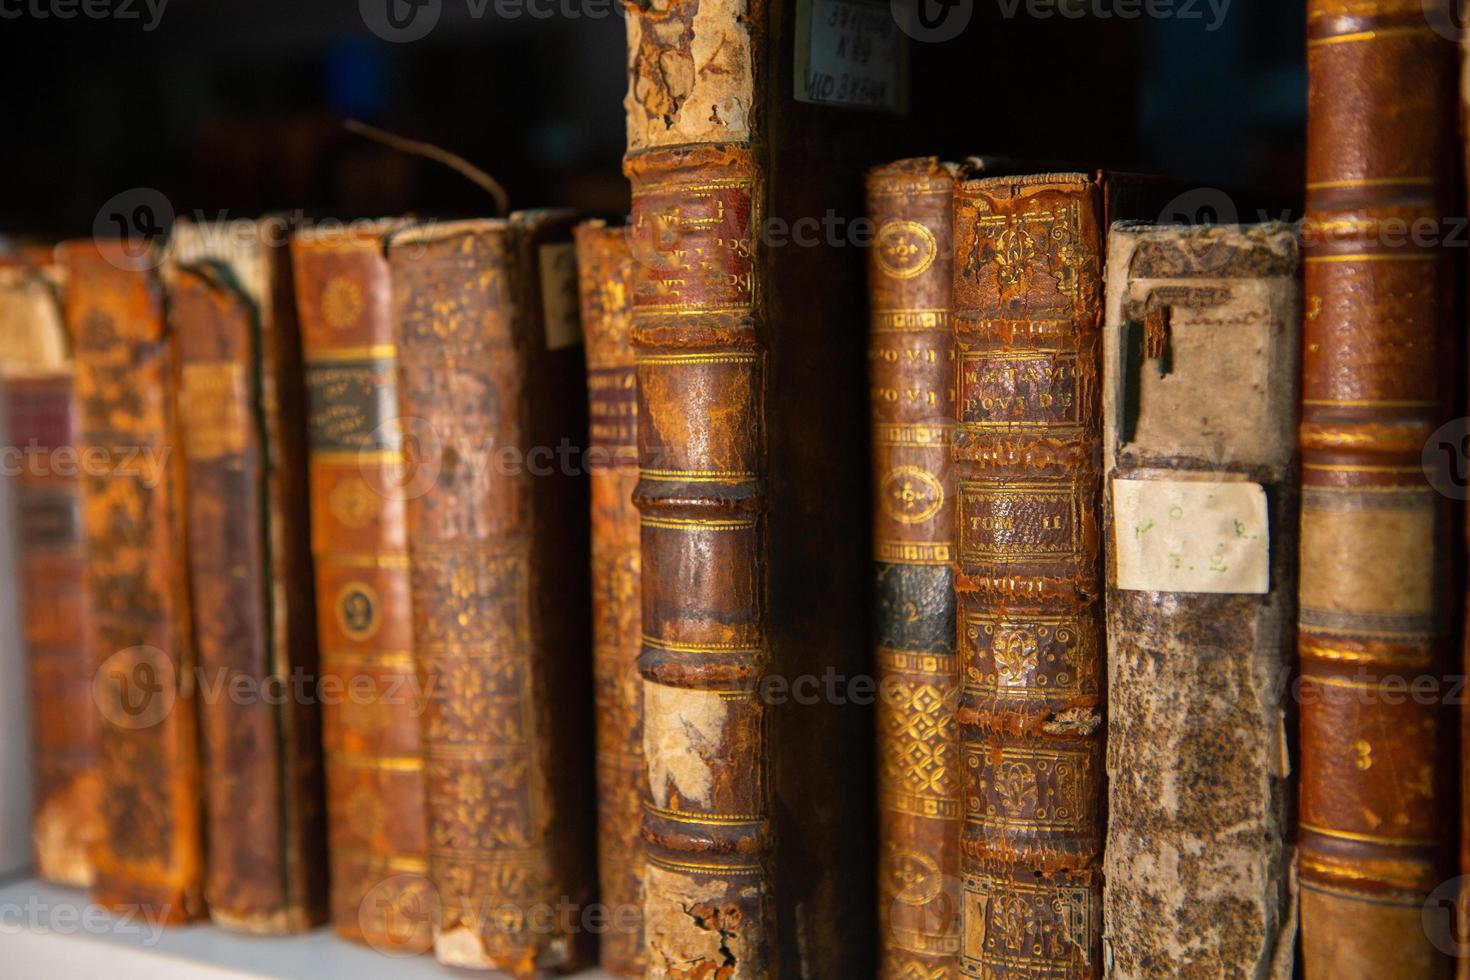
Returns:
<point x="911" y="373"/>
<point x="699" y="182"/>
<point x="151" y="854"/>
<point x="1374" y="532"/>
<point x="376" y="833"/>
<point x="1027" y="312"/>
<point x="250" y="883"/>
<point x="42" y="426"/>
<point x="1200" y="524"/>
<point x="469" y="344"/>
<point x="605" y="276"/>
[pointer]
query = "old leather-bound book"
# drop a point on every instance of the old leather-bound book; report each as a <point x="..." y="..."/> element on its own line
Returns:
<point x="151" y="852"/>
<point x="605" y="276"/>
<point x="241" y="409"/>
<point x="755" y="553"/>
<point x="491" y="382"/>
<point x="911" y="373"/>
<point x="1374" y="532"/>
<point x="376" y="835"/>
<point x="1201" y="361"/>
<point x="1027" y="312"/>
<point x="35" y="357"/>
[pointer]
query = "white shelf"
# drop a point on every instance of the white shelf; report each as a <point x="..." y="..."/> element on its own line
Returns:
<point x="47" y="931"/>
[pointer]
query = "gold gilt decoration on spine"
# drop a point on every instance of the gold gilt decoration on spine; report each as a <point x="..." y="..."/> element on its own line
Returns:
<point x="911" y="377"/>
<point x="1373" y="552"/>
<point x="1026" y="314"/>
<point x="700" y="375"/>
<point x="375" y="807"/>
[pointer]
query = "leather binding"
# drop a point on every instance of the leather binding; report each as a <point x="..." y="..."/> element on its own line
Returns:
<point x="752" y="498"/>
<point x="1027" y="312"/>
<point x="377" y="841"/>
<point x="1201" y="381"/>
<point x="489" y="386"/>
<point x="151" y="852"/>
<point x="42" y="425"/>
<point x="1374" y="532"/>
<point x="241" y="402"/>
<point x="911" y="373"/>
<point x="605" y="276"/>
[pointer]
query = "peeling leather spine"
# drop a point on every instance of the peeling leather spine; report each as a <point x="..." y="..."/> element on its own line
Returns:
<point x="1027" y="313"/>
<point x="698" y="184"/>
<point x="494" y="554"/>
<point x="605" y="269"/>
<point x="1198" y="857"/>
<point x="151" y="852"/>
<point x="1374" y="532"/>
<point x="241" y="410"/>
<point x="371" y="745"/>
<point x="40" y="412"/>
<point x="911" y="369"/>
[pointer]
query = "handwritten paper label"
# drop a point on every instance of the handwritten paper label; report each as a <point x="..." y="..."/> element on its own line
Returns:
<point x="850" y="52"/>
<point x="1191" y="536"/>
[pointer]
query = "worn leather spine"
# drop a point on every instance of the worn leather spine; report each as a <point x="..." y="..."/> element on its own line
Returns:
<point x="497" y="560"/>
<point x="911" y="377"/>
<point x="241" y="401"/>
<point x="377" y="840"/>
<point x="1201" y="383"/>
<point x="709" y="905"/>
<point x="1027" y="313"/>
<point x="151" y="852"/>
<point x="42" y="431"/>
<point x="1374" y="532"/>
<point x="605" y="270"/>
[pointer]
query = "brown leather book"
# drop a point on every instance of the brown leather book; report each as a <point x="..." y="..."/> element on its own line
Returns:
<point x="1201" y="377"/>
<point x="151" y="854"/>
<point x="756" y="557"/>
<point x="1027" y="321"/>
<point x="911" y="373"/>
<point x="371" y="709"/>
<point x="491" y="382"/>
<point x="605" y="272"/>
<point x="42" y="429"/>
<point x="1374" y="532"/>
<point x="241" y="402"/>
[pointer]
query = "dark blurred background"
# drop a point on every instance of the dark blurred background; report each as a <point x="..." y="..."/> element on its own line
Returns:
<point x="235" y="106"/>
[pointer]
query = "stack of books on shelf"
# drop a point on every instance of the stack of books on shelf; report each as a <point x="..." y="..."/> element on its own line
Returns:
<point x="534" y="592"/>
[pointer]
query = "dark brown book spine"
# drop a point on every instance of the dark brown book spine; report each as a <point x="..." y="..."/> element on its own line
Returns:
<point x="1027" y="313"/>
<point x="605" y="272"/>
<point x="701" y="500"/>
<point x="249" y="572"/>
<point x="371" y="697"/>
<point x="498" y="564"/>
<point x="64" y="823"/>
<point x="1374" y="532"/>
<point x="911" y="375"/>
<point x="151" y="854"/>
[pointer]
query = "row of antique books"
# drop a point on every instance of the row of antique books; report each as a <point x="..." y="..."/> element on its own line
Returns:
<point x="1114" y="640"/>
